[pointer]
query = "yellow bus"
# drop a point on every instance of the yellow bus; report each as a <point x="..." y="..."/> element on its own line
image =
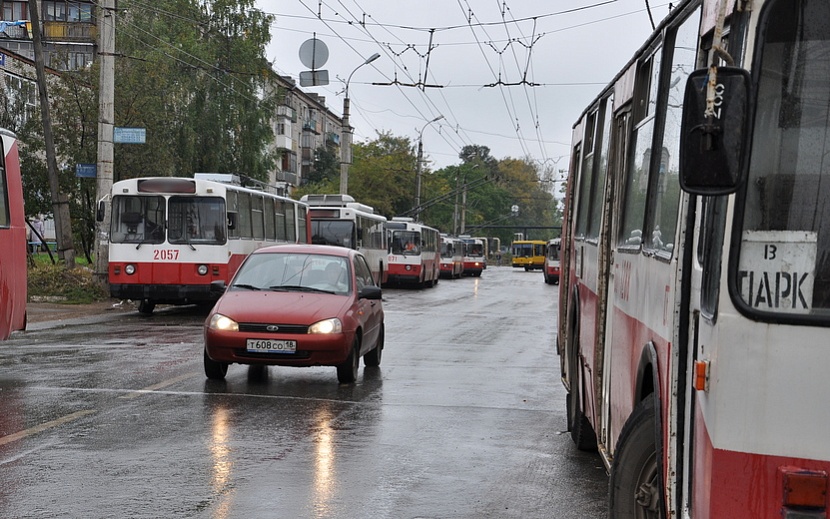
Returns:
<point x="529" y="254"/>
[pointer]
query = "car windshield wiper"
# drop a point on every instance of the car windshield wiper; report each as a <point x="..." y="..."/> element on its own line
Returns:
<point x="243" y="285"/>
<point x="297" y="288"/>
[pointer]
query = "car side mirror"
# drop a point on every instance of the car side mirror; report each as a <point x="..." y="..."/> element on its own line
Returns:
<point x="370" y="292"/>
<point x="712" y="147"/>
<point x="218" y="287"/>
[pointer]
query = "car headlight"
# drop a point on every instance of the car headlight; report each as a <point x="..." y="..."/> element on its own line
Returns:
<point x="223" y="323"/>
<point x="332" y="325"/>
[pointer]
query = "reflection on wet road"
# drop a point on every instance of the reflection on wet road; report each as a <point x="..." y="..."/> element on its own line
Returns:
<point x="463" y="419"/>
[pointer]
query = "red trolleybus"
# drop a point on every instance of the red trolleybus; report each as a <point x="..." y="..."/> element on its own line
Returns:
<point x="452" y="257"/>
<point x="552" y="264"/>
<point x="414" y="252"/>
<point x="474" y="255"/>
<point x="171" y="237"/>
<point x="13" y="240"/>
<point x="694" y="324"/>
<point x="339" y="220"/>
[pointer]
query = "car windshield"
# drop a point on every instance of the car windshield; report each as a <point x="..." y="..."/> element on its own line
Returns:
<point x="278" y="271"/>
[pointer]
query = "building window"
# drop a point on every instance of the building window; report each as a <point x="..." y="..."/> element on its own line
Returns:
<point x="13" y="11"/>
<point x="66" y="11"/>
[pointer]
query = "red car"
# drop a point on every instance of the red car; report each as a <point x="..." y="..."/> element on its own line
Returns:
<point x="297" y="305"/>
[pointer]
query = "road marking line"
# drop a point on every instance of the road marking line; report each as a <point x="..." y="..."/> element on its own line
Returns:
<point x="42" y="427"/>
<point x="149" y="389"/>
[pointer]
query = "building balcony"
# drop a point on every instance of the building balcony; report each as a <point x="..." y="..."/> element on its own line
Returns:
<point x="70" y="31"/>
<point x="333" y="138"/>
<point x="284" y="142"/>
<point x="287" y="112"/>
<point x="311" y="126"/>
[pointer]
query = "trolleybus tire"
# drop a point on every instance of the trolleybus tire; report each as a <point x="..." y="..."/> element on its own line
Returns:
<point x="634" y="485"/>
<point x="347" y="371"/>
<point x="214" y="370"/>
<point x="372" y="358"/>
<point x="146" y="307"/>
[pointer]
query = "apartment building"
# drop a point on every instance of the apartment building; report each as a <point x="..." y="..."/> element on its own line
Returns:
<point x="302" y="124"/>
<point x="68" y="31"/>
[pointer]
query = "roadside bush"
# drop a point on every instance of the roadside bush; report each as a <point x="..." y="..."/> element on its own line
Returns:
<point x="59" y="284"/>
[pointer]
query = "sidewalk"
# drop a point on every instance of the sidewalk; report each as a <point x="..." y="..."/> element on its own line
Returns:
<point x="42" y="312"/>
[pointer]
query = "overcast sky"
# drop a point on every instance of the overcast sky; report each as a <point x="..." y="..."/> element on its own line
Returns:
<point x="486" y="55"/>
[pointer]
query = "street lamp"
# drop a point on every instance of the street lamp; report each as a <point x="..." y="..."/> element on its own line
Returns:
<point x="346" y="133"/>
<point x="418" y="167"/>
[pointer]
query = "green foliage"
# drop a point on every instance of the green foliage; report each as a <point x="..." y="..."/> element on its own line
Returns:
<point x="75" y="285"/>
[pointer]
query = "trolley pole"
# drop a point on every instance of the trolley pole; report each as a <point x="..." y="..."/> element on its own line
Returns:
<point x="106" y="121"/>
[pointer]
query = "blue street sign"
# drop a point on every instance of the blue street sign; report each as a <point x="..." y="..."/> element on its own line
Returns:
<point x="125" y="135"/>
<point x="86" y="170"/>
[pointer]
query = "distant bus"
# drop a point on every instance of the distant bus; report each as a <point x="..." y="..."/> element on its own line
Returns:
<point x="551" y="269"/>
<point x="414" y="252"/>
<point x="474" y="255"/>
<point x="339" y="220"/>
<point x="452" y="257"/>
<point x="170" y="237"/>
<point x="13" y="239"/>
<point x="529" y="254"/>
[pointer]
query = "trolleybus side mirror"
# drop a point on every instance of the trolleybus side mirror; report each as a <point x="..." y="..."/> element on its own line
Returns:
<point x="712" y="146"/>
<point x="231" y="221"/>
<point x="99" y="213"/>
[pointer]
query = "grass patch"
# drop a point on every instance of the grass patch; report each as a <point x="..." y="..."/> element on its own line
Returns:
<point x="75" y="286"/>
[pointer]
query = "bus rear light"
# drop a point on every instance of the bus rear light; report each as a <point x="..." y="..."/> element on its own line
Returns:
<point x="702" y="375"/>
<point x="129" y="270"/>
<point x="202" y="270"/>
<point x="805" y="489"/>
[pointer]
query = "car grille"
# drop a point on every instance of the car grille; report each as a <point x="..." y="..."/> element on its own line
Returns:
<point x="263" y="328"/>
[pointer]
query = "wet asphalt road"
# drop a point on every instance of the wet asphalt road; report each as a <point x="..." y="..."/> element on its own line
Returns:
<point x="111" y="416"/>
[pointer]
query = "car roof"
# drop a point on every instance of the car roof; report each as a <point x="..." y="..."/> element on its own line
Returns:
<point x="307" y="248"/>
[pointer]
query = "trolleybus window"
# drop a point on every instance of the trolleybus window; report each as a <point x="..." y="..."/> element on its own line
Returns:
<point x="784" y="264"/>
<point x="196" y="220"/>
<point x="645" y="97"/>
<point x="137" y="219"/>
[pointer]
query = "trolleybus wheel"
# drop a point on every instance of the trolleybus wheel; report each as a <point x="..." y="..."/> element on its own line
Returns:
<point x="634" y="487"/>
<point x="214" y="370"/>
<point x="347" y="372"/>
<point x="146" y="307"/>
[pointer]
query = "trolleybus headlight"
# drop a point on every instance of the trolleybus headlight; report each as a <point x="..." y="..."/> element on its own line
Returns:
<point x="202" y="270"/>
<point x="327" y="326"/>
<point x="129" y="270"/>
<point x="223" y="323"/>
<point x="408" y="267"/>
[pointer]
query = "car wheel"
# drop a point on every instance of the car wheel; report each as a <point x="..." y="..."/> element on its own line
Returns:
<point x="214" y="370"/>
<point x="634" y="486"/>
<point x="373" y="357"/>
<point x="146" y="307"/>
<point x="347" y="372"/>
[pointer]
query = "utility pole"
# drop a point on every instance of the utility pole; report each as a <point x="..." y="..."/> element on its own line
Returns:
<point x="60" y="202"/>
<point x="418" y="168"/>
<point x="346" y="132"/>
<point x="106" y="121"/>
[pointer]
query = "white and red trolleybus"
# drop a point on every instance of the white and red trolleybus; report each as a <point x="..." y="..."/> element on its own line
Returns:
<point x="474" y="255"/>
<point x="694" y="323"/>
<point x="414" y="252"/>
<point x="452" y="257"/>
<point x="170" y="237"/>
<point x="13" y="239"/>
<point x="552" y="266"/>
<point x="339" y="220"/>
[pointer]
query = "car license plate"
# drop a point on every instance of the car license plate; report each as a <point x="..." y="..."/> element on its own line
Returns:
<point x="269" y="346"/>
